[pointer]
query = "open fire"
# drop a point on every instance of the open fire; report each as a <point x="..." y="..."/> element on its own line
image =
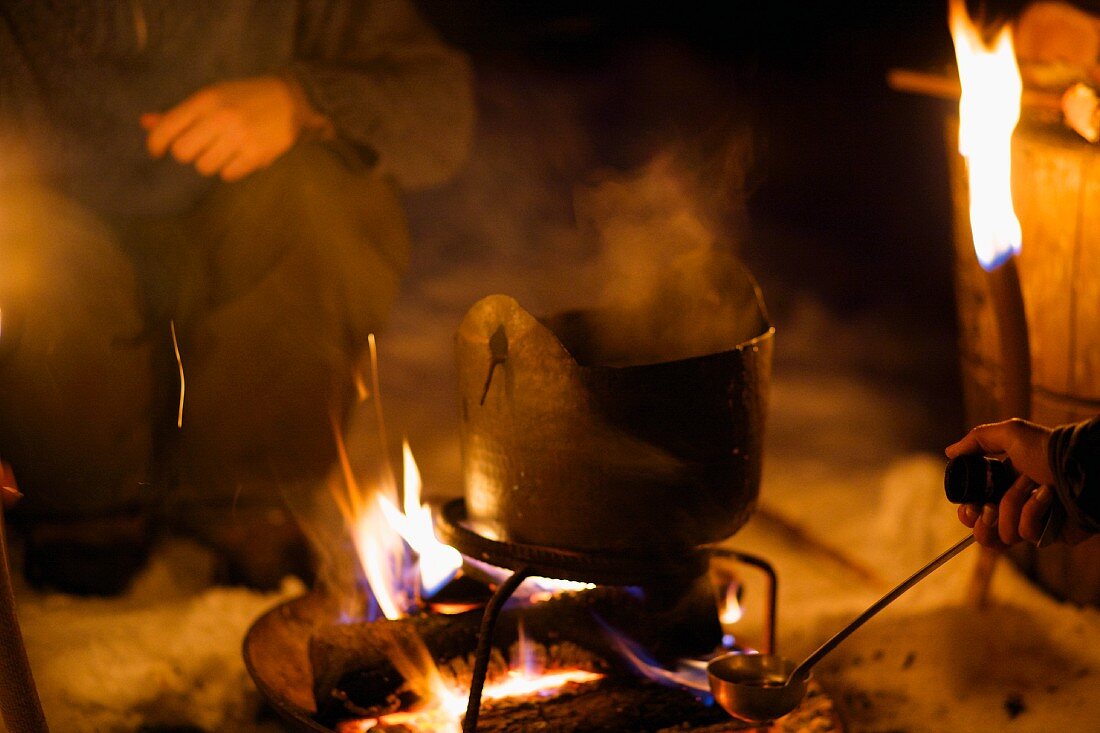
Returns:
<point x="603" y="491"/>
<point x="405" y="565"/>
<point x="442" y="705"/>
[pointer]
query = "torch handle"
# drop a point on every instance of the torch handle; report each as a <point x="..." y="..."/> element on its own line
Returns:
<point x="976" y="479"/>
<point x="1007" y="301"/>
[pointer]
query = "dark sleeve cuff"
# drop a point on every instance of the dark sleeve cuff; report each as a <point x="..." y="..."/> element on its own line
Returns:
<point x="1074" y="455"/>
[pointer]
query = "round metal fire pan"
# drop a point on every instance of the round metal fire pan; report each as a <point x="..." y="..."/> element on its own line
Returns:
<point x="601" y="568"/>
<point x="276" y="654"/>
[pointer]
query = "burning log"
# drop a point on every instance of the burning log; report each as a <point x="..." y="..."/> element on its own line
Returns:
<point x="618" y="705"/>
<point x="354" y="669"/>
<point x="613" y="705"/>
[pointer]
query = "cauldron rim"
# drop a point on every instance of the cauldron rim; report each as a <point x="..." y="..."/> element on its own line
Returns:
<point x="742" y="346"/>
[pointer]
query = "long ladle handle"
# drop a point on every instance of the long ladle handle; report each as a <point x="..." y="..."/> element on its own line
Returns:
<point x="802" y="669"/>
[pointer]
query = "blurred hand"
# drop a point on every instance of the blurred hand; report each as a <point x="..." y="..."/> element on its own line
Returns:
<point x="232" y="128"/>
<point x="1021" y="513"/>
<point x="9" y="490"/>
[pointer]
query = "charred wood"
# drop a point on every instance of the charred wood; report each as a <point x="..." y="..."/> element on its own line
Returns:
<point x="612" y="706"/>
<point x="355" y="670"/>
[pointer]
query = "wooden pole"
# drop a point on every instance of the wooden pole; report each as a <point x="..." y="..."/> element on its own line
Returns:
<point x="19" y="704"/>
<point x="947" y="87"/>
<point x="1007" y="302"/>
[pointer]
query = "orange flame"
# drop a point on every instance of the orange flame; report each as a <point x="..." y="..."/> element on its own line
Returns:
<point x="989" y="109"/>
<point x="387" y="539"/>
<point x="382" y="534"/>
<point x="437" y="562"/>
<point x="729" y="611"/>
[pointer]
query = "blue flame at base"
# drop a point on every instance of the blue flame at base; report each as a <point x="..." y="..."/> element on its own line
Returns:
<point x="999" y="259"/>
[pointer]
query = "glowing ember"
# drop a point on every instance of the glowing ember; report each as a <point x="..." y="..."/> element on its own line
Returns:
<point x="519" y="684"/>
<point x="445" y="707"/>
<point x="445" y="713"/>
<point x="989" y="109"/>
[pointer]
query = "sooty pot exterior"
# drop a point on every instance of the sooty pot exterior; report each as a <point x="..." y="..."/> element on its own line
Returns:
<point x="579" y="433"/>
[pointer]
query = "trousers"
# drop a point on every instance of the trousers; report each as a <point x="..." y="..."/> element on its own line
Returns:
<point x="268" y="288"/>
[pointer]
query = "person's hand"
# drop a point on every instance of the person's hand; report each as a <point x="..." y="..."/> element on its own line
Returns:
<point x="1021" y="514"/>
<point x="9" y="490"/>
<point x="232" y="128"/>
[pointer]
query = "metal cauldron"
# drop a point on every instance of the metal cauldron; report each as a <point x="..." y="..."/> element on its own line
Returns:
<point x="627" y="431"/>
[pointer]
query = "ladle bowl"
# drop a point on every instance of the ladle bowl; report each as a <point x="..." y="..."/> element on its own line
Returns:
<point x="762" y="687"/>
<point x="755" y="687"/>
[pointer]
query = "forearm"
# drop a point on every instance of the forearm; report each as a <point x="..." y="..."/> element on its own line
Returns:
<point x="310" y="123"/>
<point x="416" y="120"/>
<point x="1074" y="455"/>
<point x="387" y="84"/>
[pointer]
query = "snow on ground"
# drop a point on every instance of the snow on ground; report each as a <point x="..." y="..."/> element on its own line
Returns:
<point x="167" y="653"/>
<point x="930" y="662"/>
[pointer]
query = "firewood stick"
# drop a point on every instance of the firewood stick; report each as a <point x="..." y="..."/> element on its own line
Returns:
<point x="1008" y="305"/>
<point x="613" y="705"/>
<point x="946" y="87"/>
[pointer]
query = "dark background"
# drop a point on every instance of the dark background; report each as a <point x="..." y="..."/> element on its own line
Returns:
<point x="846" y="196"/>
<point x="839" y="157"/>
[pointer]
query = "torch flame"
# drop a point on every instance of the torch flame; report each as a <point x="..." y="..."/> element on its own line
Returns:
<point x="989" y="109"/>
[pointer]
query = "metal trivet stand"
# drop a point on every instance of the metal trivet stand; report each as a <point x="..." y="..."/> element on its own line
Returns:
<point x="586" y="567"/>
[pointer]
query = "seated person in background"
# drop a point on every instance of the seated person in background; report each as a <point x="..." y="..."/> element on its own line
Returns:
<point x="1062" y="463"/>
<point x="218" y="177"/>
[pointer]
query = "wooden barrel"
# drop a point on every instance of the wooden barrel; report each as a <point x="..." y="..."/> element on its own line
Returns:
<point x="1056" y="190"/>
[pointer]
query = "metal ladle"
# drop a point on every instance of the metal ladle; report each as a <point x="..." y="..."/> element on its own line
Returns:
<point x="762" y="687"/>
